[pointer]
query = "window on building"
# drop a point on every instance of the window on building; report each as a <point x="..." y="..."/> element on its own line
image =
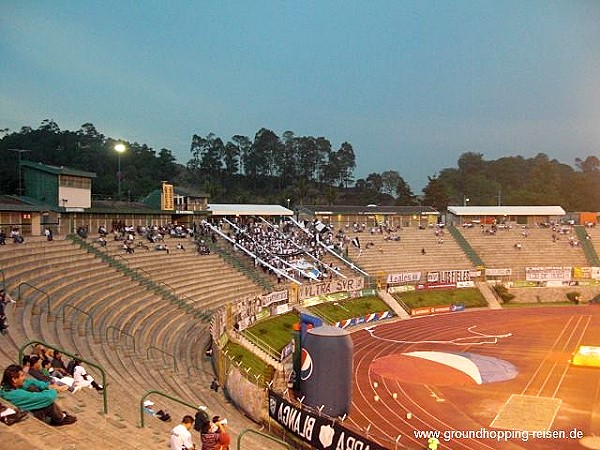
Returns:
<point x="75" y="182"/>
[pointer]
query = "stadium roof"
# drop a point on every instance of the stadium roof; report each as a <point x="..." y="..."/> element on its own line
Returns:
<point x="371" y="209"/>
<point x="57" y="170"/>
<point x="227" y="209"/>
<point x="506" y="210"/>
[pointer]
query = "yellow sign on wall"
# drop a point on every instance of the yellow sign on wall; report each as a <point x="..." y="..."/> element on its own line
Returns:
<point x="166" y="199"/>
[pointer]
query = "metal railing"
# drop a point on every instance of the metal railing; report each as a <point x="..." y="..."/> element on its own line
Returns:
<point x="89" y="315"/>
<point x="113" y="327"/>
<point x="152" y="347"/>
<point x="264" y="435"/>
<point x="25" y="283"/>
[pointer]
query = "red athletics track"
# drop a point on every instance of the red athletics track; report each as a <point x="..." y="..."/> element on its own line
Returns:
<point x="538" y="341"/>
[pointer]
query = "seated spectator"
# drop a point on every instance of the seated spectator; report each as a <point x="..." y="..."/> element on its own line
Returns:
<point x="160" y="414"/>
<point x="59" y="369"/>
<point x="48" y="234"/>
<point x="81" y="377"/>
<point x="40" y="372"/>
<point x="4" y="299"/>
<point x="128" y="248"/>
<point x="161" y="248"/>
<point x="2" y="237"/>
<point x="102" y="241"/>
<point x="33" y="395"/>
<point x="180" y="246"/>
<point x="15" y="234"/>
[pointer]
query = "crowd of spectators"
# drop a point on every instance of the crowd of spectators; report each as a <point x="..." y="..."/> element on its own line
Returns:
<point x="282" y="248"/>
<point x="33" y="387"/>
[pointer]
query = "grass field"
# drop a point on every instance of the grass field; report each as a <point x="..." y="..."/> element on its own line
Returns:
<point x="347" y="309"/>
<point x="251" y="363"/>
<point x="470" y="297"/>
<point x="273" y="334"/>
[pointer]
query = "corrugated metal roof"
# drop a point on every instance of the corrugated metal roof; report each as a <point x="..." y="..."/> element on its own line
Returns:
<point x="506" y="210"/>
<point x="227" y="209"/>
<point x="383" y="210"/>
<point x="57" y="170"/>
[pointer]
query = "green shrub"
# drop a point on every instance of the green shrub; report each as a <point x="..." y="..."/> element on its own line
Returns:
<point x="574" y="297"/>
<point x="502" y="291"/>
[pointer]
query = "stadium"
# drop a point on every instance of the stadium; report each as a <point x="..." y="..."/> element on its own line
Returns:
<point x="364" y="327"/>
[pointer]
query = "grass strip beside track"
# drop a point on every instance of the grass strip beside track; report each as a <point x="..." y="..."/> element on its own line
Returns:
<point x="470" y="297"/>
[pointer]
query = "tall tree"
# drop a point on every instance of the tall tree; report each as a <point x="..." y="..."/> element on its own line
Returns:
<point x="436" y="194"/>
<point x="347" y="162"/>
<point x="404" y="193"/>
<point x="390" y="180"/>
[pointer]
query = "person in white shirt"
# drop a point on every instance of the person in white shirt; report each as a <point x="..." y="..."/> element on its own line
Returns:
<point x="81" y="377"/>
<point x="181" y="438"/>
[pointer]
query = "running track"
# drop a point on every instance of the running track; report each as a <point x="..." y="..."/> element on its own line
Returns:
<point x="538" y="341"/>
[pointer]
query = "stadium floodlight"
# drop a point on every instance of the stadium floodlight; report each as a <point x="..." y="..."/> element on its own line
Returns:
<point x="119" y="148"/>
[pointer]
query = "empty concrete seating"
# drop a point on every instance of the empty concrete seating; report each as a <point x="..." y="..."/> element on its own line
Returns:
<point x="417" y="250"/>
<point x="538" y="248"/>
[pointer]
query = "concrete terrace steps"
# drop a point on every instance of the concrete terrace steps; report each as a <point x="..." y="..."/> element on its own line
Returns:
<point x="537" y="249"/>
<point x="131" y="375"/>
<point x="206" y="280"/>
<point x="389" y="256"/>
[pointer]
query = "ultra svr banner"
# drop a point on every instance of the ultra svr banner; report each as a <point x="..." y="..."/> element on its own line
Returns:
<point x="320" y="432"/>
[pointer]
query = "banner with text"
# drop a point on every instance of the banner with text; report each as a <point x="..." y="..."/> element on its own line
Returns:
<point x="548" y="273"/>
<point x="427" y="310"/>
<point x="498" y="272"/>
<point x="448" y="276"/>
<point x="329" y="287"/>
<point x="319" y="431"/>
<point x="404" y="277"/>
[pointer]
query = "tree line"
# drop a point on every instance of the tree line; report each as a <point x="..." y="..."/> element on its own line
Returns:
<point x="305" y="170"/>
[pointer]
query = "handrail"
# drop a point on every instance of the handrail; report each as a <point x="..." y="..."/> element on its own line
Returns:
<point x="200" y="370"/>
<point x="164" y="353"/>
<point x="252" y="255"/>
<point x="265" y="435"/>
<point x="81" y="311"/>
<point x="268" y="251"/>
<point x="466" y="247"/>
<point x="588" y="249"/>
<point x="261" y="344"/>
<point x="122" y="332"/>
<point x="314" y="258"/>
<point x="72" y="355"/>
<point x="348" y="263"/>
<point x="34" y="287"/>
<point x="163" y="394"/>
<point x="139" y="274"/>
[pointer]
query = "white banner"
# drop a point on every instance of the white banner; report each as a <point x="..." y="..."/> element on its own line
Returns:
<point x="403" y="277"/>
<point x="329" y="287"/>
<point x="449" y="276"/>
<point x="548" y="273"/>
<point x="404" y="288"/>
<point x="498" y="272"/>
<point x="274" y="297"/>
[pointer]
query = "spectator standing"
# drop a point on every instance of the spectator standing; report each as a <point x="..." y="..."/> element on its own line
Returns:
<point x="181" y="437"/>
<point x="214" y="436"/>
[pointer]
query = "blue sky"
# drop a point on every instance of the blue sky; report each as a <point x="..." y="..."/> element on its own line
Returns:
<point x="410" y="84"/>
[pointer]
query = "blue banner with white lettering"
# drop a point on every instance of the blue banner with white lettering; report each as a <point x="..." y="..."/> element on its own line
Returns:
<point x="319" y="431"/>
